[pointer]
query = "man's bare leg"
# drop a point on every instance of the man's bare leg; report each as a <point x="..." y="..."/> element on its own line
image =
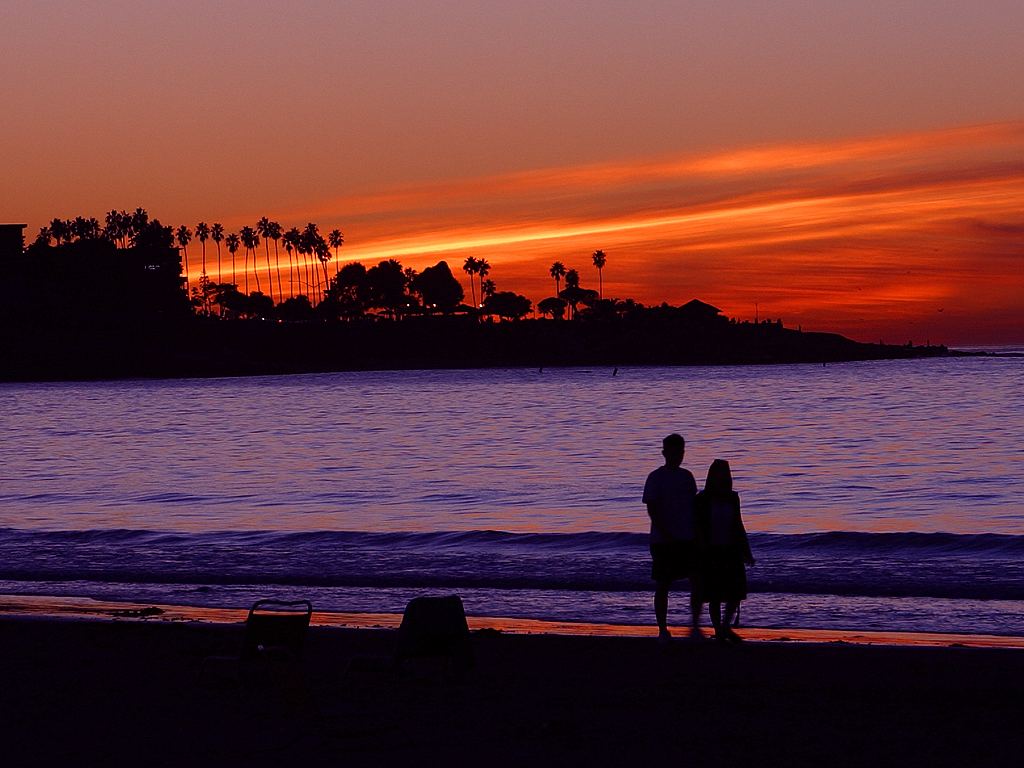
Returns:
<point x="661" y="607"/>
<point x="696" y="603"/>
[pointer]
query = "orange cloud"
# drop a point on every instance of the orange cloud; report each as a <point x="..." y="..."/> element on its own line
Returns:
<point x="918" y="235"/>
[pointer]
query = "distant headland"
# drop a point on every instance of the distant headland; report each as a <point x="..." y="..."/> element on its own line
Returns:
<point x="117" y="299"/>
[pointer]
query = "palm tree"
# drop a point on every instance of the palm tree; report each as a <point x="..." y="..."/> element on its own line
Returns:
<point x="217" y="234"/>
<point x="291" y="243"/>
<point x="202" y="235"/>
<point x="469" y="266"/>
<point x="335" y="239"/>
<point x="117" y="227"/>
<point x="305" y="282"/>
<point x="275" y="235"/>
<point x="139" y="220"/>
<point x="557" y="271"/>
<point x="60" y="230"/>
<point x="311" y="240"/>
<point x="86" y="229"/>
<point x="572" y="284"/>
<point x="599" y="262"/>
<point x="323" y="253"/>
<point x="263" y="227"/>
<point x="286" y="237"/>
<point x="233" y="242"/>
<point x="251" y="241"/>
<point x="487" y="289"/>
<point x="184" y="237"/>
<point x="483" y="269"/>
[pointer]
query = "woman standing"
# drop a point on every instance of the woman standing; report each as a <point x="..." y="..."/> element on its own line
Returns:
<point x="726" y="548"/>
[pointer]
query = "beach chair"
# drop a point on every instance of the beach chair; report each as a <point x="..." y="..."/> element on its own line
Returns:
<point x="276" y="630"/>
<point x="275" y="635"/>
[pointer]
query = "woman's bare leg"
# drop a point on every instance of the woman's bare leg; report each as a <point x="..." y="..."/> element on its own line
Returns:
<point x="716" y="615"/>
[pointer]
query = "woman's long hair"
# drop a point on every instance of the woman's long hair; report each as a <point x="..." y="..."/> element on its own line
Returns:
<point x="719" y="480"/>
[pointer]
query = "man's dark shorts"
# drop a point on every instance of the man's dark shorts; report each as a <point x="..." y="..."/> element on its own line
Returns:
<point x="673" y="560"/>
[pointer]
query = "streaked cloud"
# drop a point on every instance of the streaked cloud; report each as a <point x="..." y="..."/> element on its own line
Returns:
<point x="870" y="237"/>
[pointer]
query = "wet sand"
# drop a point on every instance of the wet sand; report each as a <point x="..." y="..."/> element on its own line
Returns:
<point x="127" y="691"/>
<point x="87" y="608"/>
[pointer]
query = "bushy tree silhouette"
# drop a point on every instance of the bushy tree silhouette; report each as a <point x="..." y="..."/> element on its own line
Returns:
<point x="507" y="305"/>
<point x="553" y="306"/>
<point x="439" y="289"/>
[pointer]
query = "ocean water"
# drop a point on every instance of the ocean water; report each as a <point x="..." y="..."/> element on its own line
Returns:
<point x="883" y="495"/>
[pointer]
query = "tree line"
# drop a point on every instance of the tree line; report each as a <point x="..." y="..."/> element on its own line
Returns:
<point x="307" y="287"/>
<point x="308" y="251"/>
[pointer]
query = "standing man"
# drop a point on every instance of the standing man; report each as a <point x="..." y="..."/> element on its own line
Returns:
<point x="669" y="495"/>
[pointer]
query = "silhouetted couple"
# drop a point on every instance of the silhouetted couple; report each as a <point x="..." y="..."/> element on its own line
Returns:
<point x="697" y="536"/>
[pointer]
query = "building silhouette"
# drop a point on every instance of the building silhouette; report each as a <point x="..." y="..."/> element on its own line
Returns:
<point x="12" y="240"/>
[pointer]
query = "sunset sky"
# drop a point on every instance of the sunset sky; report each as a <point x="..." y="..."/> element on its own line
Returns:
<point x="856" y="167"/>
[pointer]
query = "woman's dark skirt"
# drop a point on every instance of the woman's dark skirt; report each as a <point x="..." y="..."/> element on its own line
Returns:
<point x="724" y="577"/>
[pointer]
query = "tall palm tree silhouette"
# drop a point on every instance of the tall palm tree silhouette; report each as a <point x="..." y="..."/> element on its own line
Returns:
<point x="233" y="242"/>
<point x="469" y="266"/>
<point x="323" y="253"/>
<point x="304" y="249"/>
<point x="217" y="234"/>
<point x="311" y="241"/>
<point x="202" y="235"/>
<point x="138" y="219"/>
<point x="289" y="246"/>
<point x="572" y="284"/>
<point x="557" y="271"/>
<point x="291" y="243"/>
<point x="335" y="239"/>
<point x="599" y="261"/>
<point x="251" y="241"/>
<point x="483" y="269"/>
<point x="184" y="237"/>
<point x="275" y="235"/>
<point x="117" y="227"/>
<point x="110" y="227"/>
<point x="263" y="227"/>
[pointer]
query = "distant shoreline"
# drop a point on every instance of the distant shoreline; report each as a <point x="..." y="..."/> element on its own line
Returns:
<point x="211" y="348"/>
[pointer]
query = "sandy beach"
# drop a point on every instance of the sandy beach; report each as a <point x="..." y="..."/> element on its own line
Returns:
<point x="103" y="692"/>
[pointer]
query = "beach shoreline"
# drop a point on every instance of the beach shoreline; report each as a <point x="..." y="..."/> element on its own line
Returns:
<point x="48" y="608"/>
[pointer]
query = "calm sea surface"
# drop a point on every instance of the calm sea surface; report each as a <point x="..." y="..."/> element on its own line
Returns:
<point x="366" y="488"/>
